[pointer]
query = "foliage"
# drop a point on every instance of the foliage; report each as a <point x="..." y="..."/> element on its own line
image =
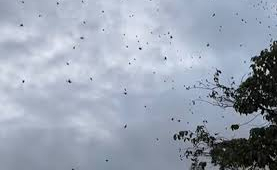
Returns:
<point x="256" y="94"/>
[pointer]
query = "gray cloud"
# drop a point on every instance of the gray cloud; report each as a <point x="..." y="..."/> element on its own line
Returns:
<point x="47" y="123"/>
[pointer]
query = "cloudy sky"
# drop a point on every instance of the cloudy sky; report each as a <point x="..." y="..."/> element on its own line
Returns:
<point x="113" y="53"/>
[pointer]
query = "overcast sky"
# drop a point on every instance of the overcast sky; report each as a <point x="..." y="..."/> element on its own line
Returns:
<point x="107" y="48"/>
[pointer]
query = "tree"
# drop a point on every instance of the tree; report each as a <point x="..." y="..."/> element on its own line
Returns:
<point x="257" y="94"/>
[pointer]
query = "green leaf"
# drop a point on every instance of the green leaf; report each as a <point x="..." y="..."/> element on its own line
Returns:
<point x="235" y="127"/>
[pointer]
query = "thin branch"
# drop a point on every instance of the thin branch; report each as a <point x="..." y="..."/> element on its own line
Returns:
<point x="250" y="120"/>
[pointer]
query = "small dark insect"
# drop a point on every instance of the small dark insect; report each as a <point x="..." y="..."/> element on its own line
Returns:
<point x="171" y="37"/>
<point x="213" y="15"/>
<point x="140" y="48"/>
<point x="125" y="126"/>
<point x="165" y="58"/>
<point x="82" y="38"/>
<point x="67" y="63"/>
<point x="73" y="47"/>
<point x="208" y="45"/>
<point x="172" y="119"/>
<point x="58" y="3"/>
<point x="179" y="120"/>
<point x="69" y="81"/>
<point x="21" y="25"/>
<point x="107" y="160"/>
<point x="23" y="81"/>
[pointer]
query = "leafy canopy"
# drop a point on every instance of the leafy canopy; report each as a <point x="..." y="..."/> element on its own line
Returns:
<point x="256" y="94"/>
